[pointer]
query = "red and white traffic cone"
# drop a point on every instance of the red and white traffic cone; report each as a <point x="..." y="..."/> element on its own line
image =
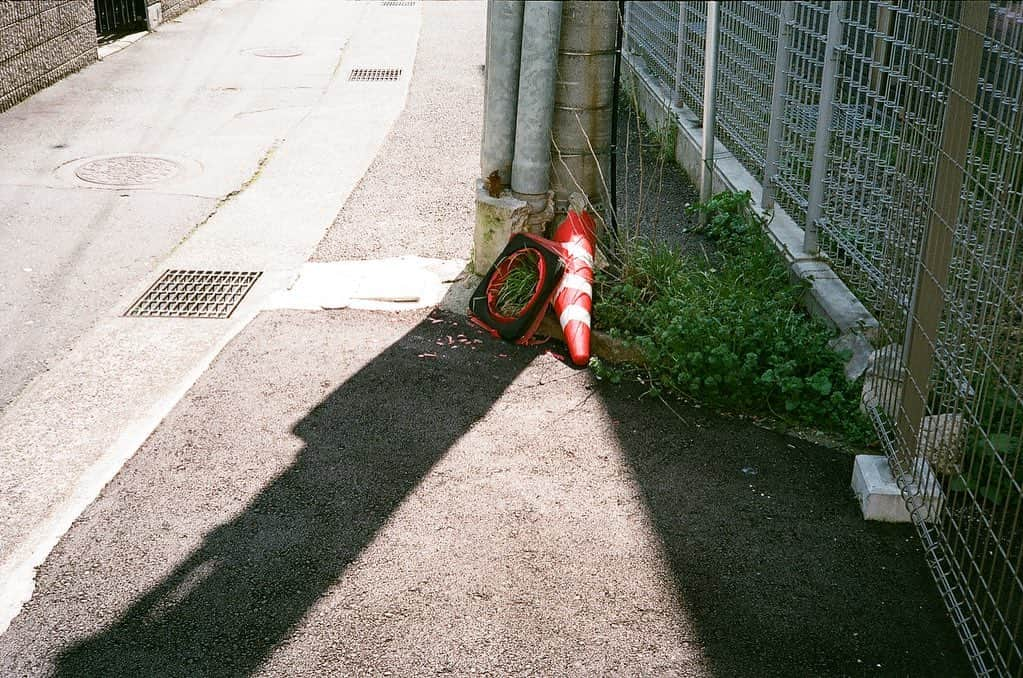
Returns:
<point x="573" y="299"/>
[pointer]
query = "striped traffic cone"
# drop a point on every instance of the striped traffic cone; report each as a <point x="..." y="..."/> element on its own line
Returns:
<point x="573" y="299"/>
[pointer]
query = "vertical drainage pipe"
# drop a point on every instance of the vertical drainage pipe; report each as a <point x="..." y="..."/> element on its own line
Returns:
<point x="616" y="90"/>
<point x="504" y="46"/>
<point x="531" y="164"/>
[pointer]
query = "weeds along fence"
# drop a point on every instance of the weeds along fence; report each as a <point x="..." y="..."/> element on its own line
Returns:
<point x="893" y="133"/>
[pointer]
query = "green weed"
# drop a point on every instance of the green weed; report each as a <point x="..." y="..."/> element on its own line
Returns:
<point x="727" y="328"/>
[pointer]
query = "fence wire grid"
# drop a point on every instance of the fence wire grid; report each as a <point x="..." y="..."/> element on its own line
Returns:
<point x="919" y="174"/>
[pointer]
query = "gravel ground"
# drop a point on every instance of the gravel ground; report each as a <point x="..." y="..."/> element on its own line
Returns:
<point x="370" y="493"/>
<point x="652" y="190"/>
<point x="418" y="197"/>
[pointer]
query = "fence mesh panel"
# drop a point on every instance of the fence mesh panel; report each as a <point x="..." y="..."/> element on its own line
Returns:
<point x="894" y="63"/>
<point x="926" y="231"/>
<point x="653" y="37"/>
<point x="801" y="106"/>
<point x="748" y="41"/>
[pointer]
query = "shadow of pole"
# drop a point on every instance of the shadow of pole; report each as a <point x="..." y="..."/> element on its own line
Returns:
<point x="366" y="446"/>
<point x="778" y="571"/>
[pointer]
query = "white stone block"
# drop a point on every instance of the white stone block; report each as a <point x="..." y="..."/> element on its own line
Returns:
<point x="879" y="494"/>
<point x="154" y="16"/>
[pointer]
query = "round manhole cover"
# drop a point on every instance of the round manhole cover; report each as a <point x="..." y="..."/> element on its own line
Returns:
<point x="127" y="170"/>
<point x="277" y="52"/>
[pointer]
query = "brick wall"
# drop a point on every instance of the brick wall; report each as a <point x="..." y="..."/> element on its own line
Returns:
<point x="42" y="41"/>
<point x="172" y="8"/>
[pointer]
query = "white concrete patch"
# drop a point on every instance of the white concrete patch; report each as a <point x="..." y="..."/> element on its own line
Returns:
<point x="386" y="284"/>
<point x="117" y="45"/>
<point x="879" y="494"/>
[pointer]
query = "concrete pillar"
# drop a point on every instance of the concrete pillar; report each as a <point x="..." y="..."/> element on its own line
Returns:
<point x="584" y="103"/>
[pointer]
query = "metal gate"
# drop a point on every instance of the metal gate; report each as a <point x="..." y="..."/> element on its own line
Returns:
<point x="119" y="17"/>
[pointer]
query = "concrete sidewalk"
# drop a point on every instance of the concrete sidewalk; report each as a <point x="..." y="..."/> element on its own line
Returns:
<point x="358" y="492"/>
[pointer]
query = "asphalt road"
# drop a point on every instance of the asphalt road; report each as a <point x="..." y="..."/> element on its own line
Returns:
<point x="353" y="493"/>
<point x="263" y="152"/>
<point x="73" y="251"/>
<point x="360" y="493"/>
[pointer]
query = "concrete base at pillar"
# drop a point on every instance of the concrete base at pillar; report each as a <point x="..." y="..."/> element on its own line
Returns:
<point x="497" y="219"/>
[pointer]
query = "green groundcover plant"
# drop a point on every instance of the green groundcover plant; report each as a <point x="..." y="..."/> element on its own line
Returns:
<point x="727" y="327"/>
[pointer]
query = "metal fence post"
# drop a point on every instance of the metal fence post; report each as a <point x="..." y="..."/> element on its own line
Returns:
<point x="679" y="42"/>
<point x="710" y="78"/>
<point x="879" y="53"/>
<point x="781" y="82"/>
<point x="819" y="169"/>
<point x="626" y="15"/>
<point x="928" y="300"/>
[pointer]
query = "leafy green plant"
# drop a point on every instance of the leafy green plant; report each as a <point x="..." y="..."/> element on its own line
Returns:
<point x="984" y="474"/>
<point x="727" y="328"/>
<point x="992" y="463"/>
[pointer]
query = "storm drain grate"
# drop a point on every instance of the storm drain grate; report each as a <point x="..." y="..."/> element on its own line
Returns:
<point x="399" y="3"/>
<point x="194" y="294"/>
<point x="374" y="74"/>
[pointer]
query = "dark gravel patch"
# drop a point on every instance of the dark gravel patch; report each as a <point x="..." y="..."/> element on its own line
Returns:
<point x="767" y="546"/>
<point x="653" y="191"/>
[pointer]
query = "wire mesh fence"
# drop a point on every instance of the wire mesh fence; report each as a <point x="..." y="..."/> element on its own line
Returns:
<point x="893" y="132"/>
<point x="748" y="38"/>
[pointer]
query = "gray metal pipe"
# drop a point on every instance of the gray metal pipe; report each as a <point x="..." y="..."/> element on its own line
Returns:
<point x="782" y="59"/>
<point x="710" y="84"/>
<point x="819" y="169"/>
<point x="531" y="165"/>
<point x="504" y="47"/>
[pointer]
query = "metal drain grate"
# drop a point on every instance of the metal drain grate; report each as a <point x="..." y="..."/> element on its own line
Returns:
<point x="399" y="3"/>
<point x="374" y="74"/>
<point x="194" y="294"/>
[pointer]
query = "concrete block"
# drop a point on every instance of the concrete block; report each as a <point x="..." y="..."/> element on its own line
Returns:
<point x="830" y="299"/>
<point x="860" y="348"/>
<point x="884" y="381"/>
<point x="154" y="15"/>
<point x="942" y="441"/>
<point x="496" y="220"/>
<point x="880" y="497"/>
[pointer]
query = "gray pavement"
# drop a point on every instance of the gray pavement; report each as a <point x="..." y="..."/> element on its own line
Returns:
<point x="363" y="492"/>
<point x="266" y="152"/>
<point x="418" y="197"/>
<point x="367" y="493"/>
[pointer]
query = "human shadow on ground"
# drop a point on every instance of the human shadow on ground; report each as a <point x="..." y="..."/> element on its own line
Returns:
<point x="366" y="446"/>
<point x="776" y="568"/>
